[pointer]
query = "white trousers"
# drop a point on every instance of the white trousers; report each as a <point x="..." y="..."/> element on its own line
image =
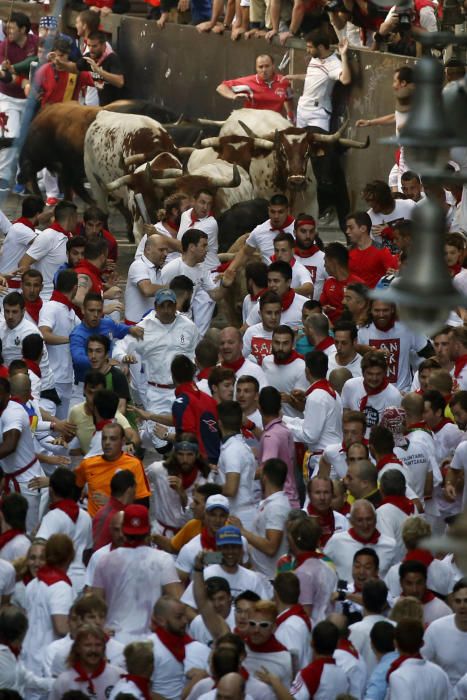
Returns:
<point x="13" y="108"/>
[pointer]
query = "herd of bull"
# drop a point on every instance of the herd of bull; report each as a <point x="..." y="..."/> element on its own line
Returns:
<point x="134" y="161"/>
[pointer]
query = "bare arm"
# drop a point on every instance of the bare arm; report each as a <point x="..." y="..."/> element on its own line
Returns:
<point x="346" y="76"/>
<point x="9" y="443"/>
<point x="239" y="261"/>
<point x="174" y="589"/>
<point x="216" y="624"/>
<point x="60" y="624"/>
<point x="148" y="289"/>
<point x="25" y="263"/>
<point x="377" y="121"/>
<point x="269" y="545"/>
<point x="232" y="482"/>
<point x="52" y="339"/>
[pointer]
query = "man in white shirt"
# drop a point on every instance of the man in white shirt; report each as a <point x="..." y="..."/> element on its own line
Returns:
<point x="132" y="578"/>
<point x="395" y="508"/>
<point x="308" y="252"/>
<point x="48" y="251"/>
<point x="258" y="338"/>
<point x="284" y="369"/>
<point x="19" y="236"/>
<point x="13" y="541"/>
<point x="192" y="264"/>
<point x="333" y="462"/>
<point x="320" y="492"/>
<point x="345" y="355"/>
<point x="318" y="334"/>
<point x="293" y="624"/>
<point x="458" y="353"/>
<point x="279" y="281"/>
<point x="230" y="352"/>
<point x="413" y="578"/>
<point x="374" y="596"/>
<point x="362" y="533"/>
<point x="446" y="638"/>
<point x="57" y="318"/>
<point x="284" y="244"/>
<point x="264" y="651"/>
<point x="322" y="422"/>
<point x="144" y="278"/>
<point x="200" y="217"/>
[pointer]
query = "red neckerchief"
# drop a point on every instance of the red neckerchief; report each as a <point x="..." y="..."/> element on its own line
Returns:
<point x="401" y="502"/>
<point x="308" y="253"/>
<point x="235" y="365"/>
<point x="291" y="261"/>
<point x="271" y="646"/>
<point x="291" y="358"/>
<point x="33" y="308"/>
<point x="420" y="425"/>
<point x="387" y="459"/>
<point x="297" y="610"/>
<point x="187" y="388"/>
<point x="459" y="365"/>
<point x="189" y="478"/>
<point x="372" y="540"/>
<point x="428" y="596"/>
<point x="205" y="373"/>
<point x="455" y="269"/>
<point x="68" y="506"/>
<point x="439" y="426"/>
<point x="289" y="220"/>
<point x="326" y="522"/>
<point x="345" y="510"/>
<point x="56" y="227"/>
<point x="26" y="222"/>
<point x="9" y="535"/>
<point x="399" y="661"/>
<point x="325" y="344"/>
<point x="50" y="575"/>
<point x="100" y="425"/>
<point x="63" y="299"/>
<point x="324" y="385"/>
<point x="143" y="684"/>
<point x="346" y="645"/>
<point x="311" y="674"/>
<point x="27" y="578"/>
<point x="287" y="300"/>
<point x="85" y="677"/>
<point x="422" y="555"/>
<point x="207" y="540"/>
<point x="34" y="367"/>
<point x="174" y="643"/>
<point x="243" y="672"/>
<point x="372" y="392"/>
<point x="14" y="650"/>
<point x="304" y="556"/>
<point x="255" y="297"/>
<point x="194" y="219"/>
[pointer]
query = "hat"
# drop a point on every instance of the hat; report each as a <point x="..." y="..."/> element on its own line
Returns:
<point x="136" y="520"/>
<point x="48" y="22"/>
<point x="217" y="501"/>
<point x="165" y="295"/>
<point x="228" y="535"/>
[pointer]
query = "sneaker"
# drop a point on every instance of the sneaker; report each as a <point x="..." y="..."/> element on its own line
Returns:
<point x="19" y="189"/>
<point x="51" y="202"/>
<point x="4" y="186"/>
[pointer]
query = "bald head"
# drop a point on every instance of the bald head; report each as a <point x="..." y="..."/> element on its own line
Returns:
<point x="338" y="377"/>
<point x="20" y="385"/>
<point x="156" y="249"/>
<point x="231" y="687"/>
<point x="363" y="518"/>
<point x="230" y="344"/>
<point x="413" y="405"/>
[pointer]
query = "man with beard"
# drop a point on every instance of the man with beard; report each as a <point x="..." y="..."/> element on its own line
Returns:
<point x="89" y="671"/>
<point x="356" y="304"/>
<point x="308" y="251"/>
<point x="258" y="338"/>
<point x="397" y="342"/>
<point x="280" y="282"/>
<point x="285" y="369"/>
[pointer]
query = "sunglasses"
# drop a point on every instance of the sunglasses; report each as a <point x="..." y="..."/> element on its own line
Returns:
<point x="262" y="625"/>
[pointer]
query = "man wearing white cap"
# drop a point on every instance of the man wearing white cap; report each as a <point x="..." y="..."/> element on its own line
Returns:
<point x="167" y="333"/>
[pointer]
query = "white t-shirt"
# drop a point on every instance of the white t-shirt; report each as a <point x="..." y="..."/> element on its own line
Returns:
<point x="300" y="275"/>
<point x="420" y="459"/>
<point x="354" y="366"/>
<point x="353" y="393"/>
<point x="236" y="457"/>
<point x="315" y="105"/>
<point x="14" y="417"/>
<point x="315" y="266"/>
<point x="49" y="252"/>
<point x="295" y="635"/>
<point x="198" y="274"/>
<point x="285" y="378"/>
<point x="322" y="421"/>
<point x="132" y="580"/>
<point x="242" y="580"/>
<point x="12" y="339"/>
<point x="440" y="578"/>
<point x="257" y="343"/>
<point x="389" y="521"/>
<point x="403" y="209"/>
<point x="249" y="368"/>
<point x="445" y="645"/>
<point x="342" y="547"/>
<point x="210" y="227"/>
<point x="262" y="238"/>
<point x="360" y="638"/>
<point x="289" y="317"/>
<point x="92" y="563"/>
<point x="186" y="557"/>
<point x="103" y="683"/>
<point x="417" y="679"/>
<point x="271" y="515"/>
<point x="169" y="676"/>
<point x="15" y="245"/>
<point x="61" y="321"/>
<point x="200" y="632"/>
<point x="459" y="463"/>
<point x="318" y="581"/>
<point x="332" y="682"/>
<point x="399" y="341"/>
<point x="7" y="578"/>
<point x="15" y="548"/>
<point x="166" y="506"/>
<point x="136" y="304"/>
<point x="56" y="655"/>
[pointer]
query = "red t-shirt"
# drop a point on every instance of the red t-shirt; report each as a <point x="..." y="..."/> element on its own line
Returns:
<point x="59" y="85"/>
<point x="371" y="264"/>
<point x="264" y="95"/>
<point x="333" y="295"/>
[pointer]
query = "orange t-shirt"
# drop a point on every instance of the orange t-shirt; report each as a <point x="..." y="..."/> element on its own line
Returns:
<point x="97" y="473"/>
<point x="187" y="532"/>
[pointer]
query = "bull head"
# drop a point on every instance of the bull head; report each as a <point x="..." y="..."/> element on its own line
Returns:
<point x="215" y="142"/>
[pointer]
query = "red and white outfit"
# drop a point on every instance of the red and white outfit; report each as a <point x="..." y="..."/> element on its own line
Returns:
<point x="413" y="678"/>
<point x="209" y="225"/>
<point x="257" y="343"/>
<point x="262" y="94"/>
<point x="343" y="545"/>
<point x="459" y="464"/>
<point x="286" y="375"/>
<point x="160" y="228"/>
<point x="57" y="653"/>
<point x="271" y="514"/>
<point x="460" y="372"/>
<point x="293" y="630"/>
<point x="433" y="608"/>
<point x="66" y="517"/>
<point x="291" y="315"/>
<point x="48" y="594"/>
<point x="59" y="314"/>
<point x="19" y="236"/>
<point x="237" y="458"/>
<point x="329" y="522"/>
<point x="262" y="237"/>
<point x="313" y="260"/>
<point x="173" y="657"/>
<point x="352" y="664"/>
<point x="440" y="577"/>
<point x="300" y="274"/>
<point x="320" y="680"/>
<point x="322" y="421"/>
<point x="390" y="518"/>
<point x="354" y="366"/>
<point x="360" y="638"/>
<point x="13" y="544"/>
<point x="245" y="367"/>
<point x="136" y="686"/>
<point x="327" y="346"/>
<point x="273" y="656"/>
<point x="318" y="581"/>
<point x="399" y="342"/>
<point x="49" y="252"/>
<point x="241" y="580"/>
<point x="419" y="457"/>
<point x="372" y="402"/>
<point x="132" y="579"/>
<point x="96" y="685"/>
<point x="249" y="302"/>
<point x="136" y="303"/>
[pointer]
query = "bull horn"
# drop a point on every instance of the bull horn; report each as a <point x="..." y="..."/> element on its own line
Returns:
<point x="234" y="181"/>
<point x="210" y="122"/>
<point x="264" y="143"/>
<point x="186" y="150"/>
<point x="246" y="129"/>
<point x="352" y="143"/>
<point x="165" y="182"/>
<point x="211" y="142"/>
<point x="135" y="159"/>
<point x="330" y="138"/>
<point x="177" y="123"/>
<point x="167" y="173"/>
<point x="119" y="182"/>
